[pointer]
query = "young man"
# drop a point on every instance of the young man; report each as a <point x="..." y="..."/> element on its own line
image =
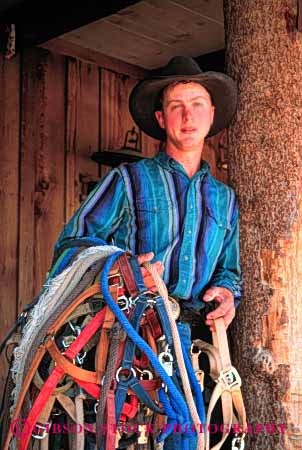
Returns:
<point x="170" y="209"/>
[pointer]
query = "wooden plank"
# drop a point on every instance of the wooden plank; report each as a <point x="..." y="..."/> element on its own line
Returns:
<point x="116" y="119"/>
<point x="64" y="47"/>
<point x="87" y="126"/>
<point x="82" y="134"/>
<point x="42" y="167"/>
<point x="191" y="36"/>
<point x="39" y="22"/>
<point x="115" y="116"/>
<point x="166" y="21"/>
<point x="106" y="38"/>
<point x="212" y="10"/>
<point x="9" y="190"/>
<point x="150" y="146"/>
<point x="71" y="183"/>
<point x="49" y="192"/>
<point x="29" y="142"/>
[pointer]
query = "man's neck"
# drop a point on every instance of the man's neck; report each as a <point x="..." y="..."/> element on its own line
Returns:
<point x="190" y="159"/>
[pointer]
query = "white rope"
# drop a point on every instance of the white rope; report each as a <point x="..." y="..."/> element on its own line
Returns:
<point x="162" y="290"/>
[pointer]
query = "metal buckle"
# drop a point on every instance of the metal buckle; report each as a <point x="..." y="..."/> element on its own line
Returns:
<point x="145" y="374"/>
<point x="193" y="351"/>
<point x="81" y="357"/>
<point x="230" y="378"/>
<point x="41" y="430"/>
<point x="119" y="276"/>
<point x="166" y="360"/>
<point x="68" y="340"/>
<point x="238" y="442"/>
<point x="123" y="303"/>
<point x="131" y="371"/>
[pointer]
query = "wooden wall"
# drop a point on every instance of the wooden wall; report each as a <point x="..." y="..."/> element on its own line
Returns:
<point x="55" y="111"/>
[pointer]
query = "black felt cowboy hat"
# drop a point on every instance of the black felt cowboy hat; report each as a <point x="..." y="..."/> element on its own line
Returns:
<point x="143" y="101"/>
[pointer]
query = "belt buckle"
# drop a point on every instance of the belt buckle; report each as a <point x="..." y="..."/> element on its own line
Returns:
<point x="230" y="378"/>
<point x="116" y="280"/>
<point x="41" y="430"/>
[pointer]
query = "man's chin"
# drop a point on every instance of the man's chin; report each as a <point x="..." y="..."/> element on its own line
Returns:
<point x="190" y="144"/>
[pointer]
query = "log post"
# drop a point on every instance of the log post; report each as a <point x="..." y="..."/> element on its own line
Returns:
<point x="264" y="55"/>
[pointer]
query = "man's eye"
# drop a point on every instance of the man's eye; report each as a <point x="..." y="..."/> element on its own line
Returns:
<point x="175" y="107"/>
<point x="198" y="104"/>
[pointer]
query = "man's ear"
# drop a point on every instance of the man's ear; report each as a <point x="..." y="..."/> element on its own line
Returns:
<point x="213" y="113"/>
<point x="160" y="119"/>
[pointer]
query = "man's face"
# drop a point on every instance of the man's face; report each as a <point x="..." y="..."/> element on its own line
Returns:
<point x="187" y="115"/>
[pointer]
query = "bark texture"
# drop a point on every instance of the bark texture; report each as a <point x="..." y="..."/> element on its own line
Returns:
<point x="264" y="55"/>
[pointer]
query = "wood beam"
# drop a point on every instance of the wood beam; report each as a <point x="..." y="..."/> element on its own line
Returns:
<point x="66" y="48"/>
<point x="39" y="22"/>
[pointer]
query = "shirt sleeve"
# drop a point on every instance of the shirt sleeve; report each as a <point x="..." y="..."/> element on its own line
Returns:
<point x="227" y="272"/>
<point x="100" y="214"/>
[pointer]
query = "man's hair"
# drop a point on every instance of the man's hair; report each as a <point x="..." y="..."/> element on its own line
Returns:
<point x="161" y="96"/>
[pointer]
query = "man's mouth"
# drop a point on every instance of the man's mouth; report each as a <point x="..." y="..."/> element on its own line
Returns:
<point x="188" y="130"/>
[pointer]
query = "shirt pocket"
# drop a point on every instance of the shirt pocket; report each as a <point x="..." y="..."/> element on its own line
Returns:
<point x="217" y="218"/>
<point x="153" y="217"/>
<point x="214" y="232"/>
<point x="152" y="205"/>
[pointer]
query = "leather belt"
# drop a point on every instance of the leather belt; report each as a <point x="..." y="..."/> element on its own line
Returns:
<point x="190" y="316"/>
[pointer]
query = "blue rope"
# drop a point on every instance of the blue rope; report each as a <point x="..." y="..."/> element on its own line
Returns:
<point x="166" y="404"/>
<point x="136" y="338"/>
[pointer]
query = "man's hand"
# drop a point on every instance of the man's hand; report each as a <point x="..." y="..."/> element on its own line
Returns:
<point x="226" y="309"/>
<point x="148" y="280"/>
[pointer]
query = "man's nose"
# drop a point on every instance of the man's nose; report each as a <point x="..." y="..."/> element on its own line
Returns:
<point x="187" y="113"/>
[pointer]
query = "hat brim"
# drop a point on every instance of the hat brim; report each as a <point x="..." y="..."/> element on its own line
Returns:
<point x="144" y="98"/>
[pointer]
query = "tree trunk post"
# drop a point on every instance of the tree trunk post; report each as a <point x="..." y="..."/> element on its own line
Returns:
<point x="264" y="56"/>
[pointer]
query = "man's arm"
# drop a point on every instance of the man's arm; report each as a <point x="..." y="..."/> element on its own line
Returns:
<point x="100" y="214"/>
<point x="226" y="281"/>
<point x="99" y="217"/>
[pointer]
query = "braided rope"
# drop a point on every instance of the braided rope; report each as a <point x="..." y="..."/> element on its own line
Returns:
<point x="51" y="299"/>
<point x="162" y="290"/>
<point x="176" y="398"/>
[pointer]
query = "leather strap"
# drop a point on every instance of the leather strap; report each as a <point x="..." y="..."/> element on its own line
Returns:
<point x="39" y="404"/>
<point x="58" y="372"/>
<point x="79" y="408"/>
<point x="154" y="324"/>
<point x="227" y="381"/>
<point x="110" y="436"/>
<point x="127" y="274"/>
<point x="137" y="274"/>
<point x="92" y="290"/>
<point x="103" y="345"/>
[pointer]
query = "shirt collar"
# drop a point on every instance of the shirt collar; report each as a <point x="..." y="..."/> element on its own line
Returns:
<point x="171" y="164"/>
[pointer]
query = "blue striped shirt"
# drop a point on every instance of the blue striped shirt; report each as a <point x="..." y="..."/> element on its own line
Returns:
<point x="191" y="224"/>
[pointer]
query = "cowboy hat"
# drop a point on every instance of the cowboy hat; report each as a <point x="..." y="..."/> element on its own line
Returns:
<point x="143" y="101"/>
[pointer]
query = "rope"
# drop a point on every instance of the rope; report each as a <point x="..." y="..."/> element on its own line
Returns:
<point x="134" y="336"/>
<point x="60" y="291"/>
<point x="162" y="290"/>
